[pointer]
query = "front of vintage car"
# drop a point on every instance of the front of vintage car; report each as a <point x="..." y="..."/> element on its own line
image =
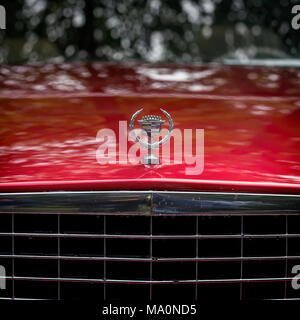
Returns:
<point x="94" y="206"/>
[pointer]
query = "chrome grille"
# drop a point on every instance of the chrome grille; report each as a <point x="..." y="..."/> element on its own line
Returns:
<point x="149" y="245"/>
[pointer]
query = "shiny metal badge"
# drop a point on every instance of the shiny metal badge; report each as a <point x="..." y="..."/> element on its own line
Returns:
<point x="152" y="128"/>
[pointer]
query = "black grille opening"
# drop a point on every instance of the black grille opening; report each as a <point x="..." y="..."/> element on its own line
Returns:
<point x="219" y="247"/>
<point x="263" y="269"/>
<point x="219" y="270"/>
<point x="127" y="292"/>
<point x="219" y="225"/>
<point x="175" y="271"/>
<point x="264" y="247"/>
<point x="294" y="246"/>
<point x="173" y="248"/>
<point x="136" y="254"/>
<point x="127" y="248"/>
<point x="174" y="292"/>
<point x="265" y="290"/>
<point x="125" y="254"/>
<point x="174" y="225"/>
<point x="81" y="223"/>
<point x="36" y="268"/>
<point x="35" y="245"/>
<point x="41" y="223"/>
<point x="293" y="224"/>
<point x="5" y="223"/>
<point x="81" y="247"/>
<point x="127" y="270"/>
<point x="81" y="269"/>
<point x="82" y="291"/>
<point x="264" y="225"/>
<point x="6" y="245"/>
<point x="132" y="225"/>
<point x="219" y="291"/>
<point x="35" y="289"/>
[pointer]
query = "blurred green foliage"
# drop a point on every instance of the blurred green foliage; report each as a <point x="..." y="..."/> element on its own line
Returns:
<point x="147" y="30"/>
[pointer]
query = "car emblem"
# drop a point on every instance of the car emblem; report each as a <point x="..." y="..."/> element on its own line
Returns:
<point x="152" y="127"/>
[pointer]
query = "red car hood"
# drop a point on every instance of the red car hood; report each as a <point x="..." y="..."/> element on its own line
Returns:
<point x="50" y="116"/>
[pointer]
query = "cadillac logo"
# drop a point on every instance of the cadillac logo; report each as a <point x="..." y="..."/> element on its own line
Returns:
<point x="152" y="127"/>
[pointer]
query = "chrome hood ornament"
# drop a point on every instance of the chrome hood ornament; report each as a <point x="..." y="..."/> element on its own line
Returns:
<point x="152" y="128"/>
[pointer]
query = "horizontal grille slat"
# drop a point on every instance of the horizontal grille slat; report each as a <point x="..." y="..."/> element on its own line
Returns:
<point x="53" y="257"/>
<point x="147" y="282"/>
<point x="156" y="237"/>
<point x="139" y="244"/>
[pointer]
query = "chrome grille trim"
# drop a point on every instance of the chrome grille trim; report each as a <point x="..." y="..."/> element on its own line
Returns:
<point x="155" y="202"/>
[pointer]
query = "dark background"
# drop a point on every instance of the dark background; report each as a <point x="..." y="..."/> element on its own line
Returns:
<point x="147" y="30"/>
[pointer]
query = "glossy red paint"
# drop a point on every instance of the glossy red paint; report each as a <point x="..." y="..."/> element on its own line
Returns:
<point x="50" y="115"/>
